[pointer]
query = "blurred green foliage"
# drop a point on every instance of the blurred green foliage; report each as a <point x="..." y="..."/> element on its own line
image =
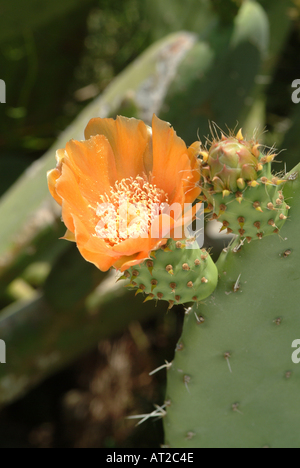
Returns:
<point x="170" y="16"/>
<point x="16" y="18"/>
<point x="55" y="58"/>
<point x="117" y="33"/>
<point x="47" y="55"/>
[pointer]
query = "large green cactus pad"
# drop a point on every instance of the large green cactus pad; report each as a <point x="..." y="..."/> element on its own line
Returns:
<point x="233" y="382"/>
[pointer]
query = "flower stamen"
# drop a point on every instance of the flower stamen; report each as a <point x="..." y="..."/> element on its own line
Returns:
<point x="129" y="210"/>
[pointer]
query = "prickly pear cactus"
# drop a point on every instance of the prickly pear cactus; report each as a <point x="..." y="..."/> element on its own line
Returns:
<point x="240" y="190"/>
<point x="233" y="383"/>
<point x="175" y="273"/>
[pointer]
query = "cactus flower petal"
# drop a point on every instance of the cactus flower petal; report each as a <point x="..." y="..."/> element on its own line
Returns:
<point x="124" y="167"/>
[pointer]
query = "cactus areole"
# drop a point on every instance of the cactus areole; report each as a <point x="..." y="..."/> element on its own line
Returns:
<point x="239" y="188"/>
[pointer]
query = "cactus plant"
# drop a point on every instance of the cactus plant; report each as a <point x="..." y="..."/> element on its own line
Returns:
<point x="29" y="237"/>
<point x="36" y="222"/>
<point x="232" y="382"/>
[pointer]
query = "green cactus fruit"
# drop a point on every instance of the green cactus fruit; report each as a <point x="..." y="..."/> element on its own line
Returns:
<point x="175" y="273"/>
<point x="240" y="190"/>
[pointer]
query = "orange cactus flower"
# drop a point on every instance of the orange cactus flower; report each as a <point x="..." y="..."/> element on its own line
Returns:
<point x="122" y="165"/>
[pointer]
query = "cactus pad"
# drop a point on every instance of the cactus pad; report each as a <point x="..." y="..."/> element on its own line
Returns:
<point x="175" y="273"/>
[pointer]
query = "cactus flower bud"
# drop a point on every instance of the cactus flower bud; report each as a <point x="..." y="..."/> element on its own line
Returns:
<point x="235" y="174"/>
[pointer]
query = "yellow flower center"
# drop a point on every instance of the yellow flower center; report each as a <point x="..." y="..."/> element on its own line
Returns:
<point x="129" y="209"/>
